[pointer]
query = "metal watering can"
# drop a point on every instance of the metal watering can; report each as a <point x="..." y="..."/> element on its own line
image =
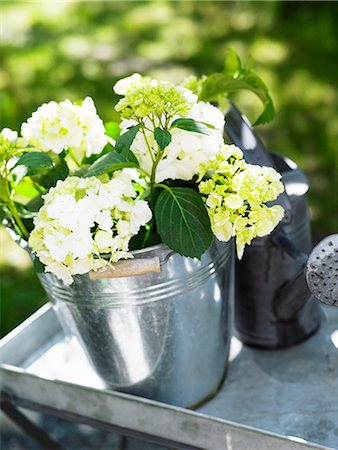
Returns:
<point x="277" y="280"/>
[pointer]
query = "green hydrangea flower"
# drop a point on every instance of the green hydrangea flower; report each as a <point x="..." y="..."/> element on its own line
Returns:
<point x="144" y="97"/>
<point x="235" y="194"/>
<point x="10" y="147"/>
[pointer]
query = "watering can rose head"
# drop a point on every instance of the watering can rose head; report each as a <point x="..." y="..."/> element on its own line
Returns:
<point x="95" y="192"/>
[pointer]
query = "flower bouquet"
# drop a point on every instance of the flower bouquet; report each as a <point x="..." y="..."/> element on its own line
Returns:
<point x="85" y="194"/>
<point x="89" y="196"/>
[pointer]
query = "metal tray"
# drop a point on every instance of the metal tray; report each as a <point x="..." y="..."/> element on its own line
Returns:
<point x="283" y="399"/>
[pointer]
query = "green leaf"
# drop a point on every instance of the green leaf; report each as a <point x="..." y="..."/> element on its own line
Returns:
<point x="209" y="125"/>
<point x="190" y="125"/>
<point x="183" y="222"/>
<point x="110" y="162"/>
<point x="162" y="137"/>
<point x="38" y="266"/>
<point x="113" y="129"/>
<point x="35" y="204"/>
<point x="59" y="171"/>
<point x="219" y="83"/>
<point x="235" y="77"/>
<point x="268" y="112"/>
<point x="34" y="163"/>
<point x="124" y="141"/>
<point x="232" y="63"/>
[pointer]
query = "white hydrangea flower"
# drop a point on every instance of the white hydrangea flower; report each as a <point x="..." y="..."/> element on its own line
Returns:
<point x="139" y="213"/>
<point x="104" y="220"/>
<point x="104" y="240"/>
<point x="189" y="95"/>
<point x="187" y="150"/>
<point x="9" y="134"/>
<point x="60" y="271"/>
<point x="57" y="126"/>
<point x="125" y="85"/>
<point x="93" y="137"/>
<point x="51" y="126"/>
<point x="82" y="219"/>
<point x="111" y="194"/>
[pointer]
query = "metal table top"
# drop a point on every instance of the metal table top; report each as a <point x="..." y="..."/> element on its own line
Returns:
<point x="285" y="399"/>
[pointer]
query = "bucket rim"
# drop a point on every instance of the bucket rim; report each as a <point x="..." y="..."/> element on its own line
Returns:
<point x="160" y="246"/>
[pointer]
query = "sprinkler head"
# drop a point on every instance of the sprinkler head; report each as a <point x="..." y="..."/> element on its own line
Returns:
<point x="322" y="271"/>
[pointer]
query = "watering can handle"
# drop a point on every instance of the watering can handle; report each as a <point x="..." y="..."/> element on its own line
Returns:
<point x="128" y="268"/>
<point x="239" y="130"/>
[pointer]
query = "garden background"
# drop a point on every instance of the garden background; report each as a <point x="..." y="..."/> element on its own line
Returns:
<point x="54" y="50"/>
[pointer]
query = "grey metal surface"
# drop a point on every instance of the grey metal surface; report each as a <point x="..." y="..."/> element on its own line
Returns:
<point x="122" y="410"/>
<point x="139" y="332"/>
<point x="292" y="392"/>
<point x="28" y="334"/>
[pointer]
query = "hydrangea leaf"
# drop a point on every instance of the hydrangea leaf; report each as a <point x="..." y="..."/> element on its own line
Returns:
<point x="33" y="163"/>
<point x="190" y="125"/>
<point x="219" y="83"/>
<point x="38" y="266"/>
<point x="235" y="77"/>
<point x="183" y="222"/>
<point x="124" y="141"/>
<point x="109" y="163"/>
<point x="59" y="171"/>
<point x="232" y="63"/>
<point x="162" y="137"/>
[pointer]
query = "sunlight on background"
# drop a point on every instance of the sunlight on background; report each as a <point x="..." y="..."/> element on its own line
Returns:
<point x="11" y="255"/>
<point x="58" y="50"/>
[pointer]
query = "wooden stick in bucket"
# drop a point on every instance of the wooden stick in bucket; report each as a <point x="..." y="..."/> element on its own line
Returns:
<point x="128" y="268"/>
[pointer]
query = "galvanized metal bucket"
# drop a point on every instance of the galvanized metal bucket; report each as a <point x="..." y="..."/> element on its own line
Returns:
<point x="163" y="336"/>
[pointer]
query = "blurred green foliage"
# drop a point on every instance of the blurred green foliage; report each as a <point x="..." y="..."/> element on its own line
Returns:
<point x="58" y="50"/>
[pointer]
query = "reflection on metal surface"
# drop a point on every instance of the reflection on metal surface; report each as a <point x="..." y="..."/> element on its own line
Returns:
<point x="235" y="348"/>
<point x="296" y="439"/>
<point x="334" y="338"/>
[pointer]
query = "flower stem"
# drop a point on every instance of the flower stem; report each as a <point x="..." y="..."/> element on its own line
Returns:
<point x="18" y="220"/>
<point x="148" y="145"/>
<point x="153" y="169"/>
<point x="38" y="188"/>
<point x="143" y="171"/>
<point x="72" y="155"/>
<point x="163" y="186"/>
